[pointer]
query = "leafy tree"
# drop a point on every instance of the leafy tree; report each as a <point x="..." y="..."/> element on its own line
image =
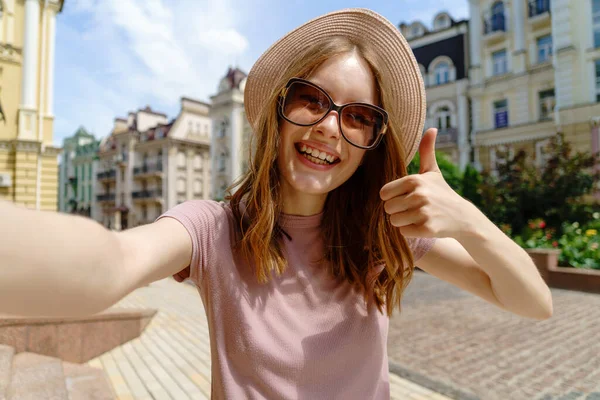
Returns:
<point x="450" y="171"/>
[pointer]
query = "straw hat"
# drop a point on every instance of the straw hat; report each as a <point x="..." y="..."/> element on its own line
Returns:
<point x="366" y="26"/>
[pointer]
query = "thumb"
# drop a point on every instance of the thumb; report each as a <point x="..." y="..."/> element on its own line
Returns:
<point x="428" y="162"/>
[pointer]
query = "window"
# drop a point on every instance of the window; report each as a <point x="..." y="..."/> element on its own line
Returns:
<point x="442" y="118"/>
<point x="500" y="114"/>
<point x="442" y="73"/>
<point x="198" y="162"/>
<point x="222" y="162"/>
<point x="496" y="19"/>
<point x="441" y="22"/>
<point x="499" y="61"/>
<point x="197" y="187"/>
<point x="598" y="80"/>
<point x="596" y="21"/>
<point x="181" y="185"/>
<point x="547" y="103"/>
<point x="544" y="48"/>
<point x="180" y="160"/>
<point x="416" y="30"/>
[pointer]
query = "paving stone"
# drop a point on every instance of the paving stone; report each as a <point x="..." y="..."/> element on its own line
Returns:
<point x="456" y="341"/>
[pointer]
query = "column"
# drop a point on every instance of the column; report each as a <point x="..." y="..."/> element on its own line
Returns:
<point x="518" y="28"/>
<point x="190" y="176"/>
<point x="206" y="178"/>
<point x="27" y="112"/>
<point x="236" y="144"/>
<point x="49" y="108"/>
<point x="464" y="147"/>
<point x="475" y="33"/>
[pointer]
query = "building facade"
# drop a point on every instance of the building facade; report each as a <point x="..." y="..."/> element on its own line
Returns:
<point x="443" y="59"/>
<point x="28" y="161"/>
<point x="77" y="171"/>
<point x="231" y="132"/>
<point x="512" y="78"/>
<point x="149" y="164"/>
<point x="535" y="71"/>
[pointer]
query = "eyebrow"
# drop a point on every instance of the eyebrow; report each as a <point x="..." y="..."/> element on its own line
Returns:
<point x="323" y="86"/>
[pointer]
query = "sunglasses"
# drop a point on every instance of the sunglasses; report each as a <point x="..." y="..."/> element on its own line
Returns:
<point x="303" y="103"/>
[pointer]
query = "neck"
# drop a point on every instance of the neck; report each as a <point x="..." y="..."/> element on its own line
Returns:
<point x="298" y="203"/>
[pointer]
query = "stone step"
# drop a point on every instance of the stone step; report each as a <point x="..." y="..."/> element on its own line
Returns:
<point x="36" y="377"/>
<point x="86" y="383"/>
<point x="6" y="358"/>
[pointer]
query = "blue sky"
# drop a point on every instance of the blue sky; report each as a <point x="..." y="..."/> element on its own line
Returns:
<point x="115" y="56"/>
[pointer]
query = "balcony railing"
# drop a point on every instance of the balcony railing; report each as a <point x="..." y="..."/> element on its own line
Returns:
<point x="448" y="135"/>
<point x="147" y="169"/>
<point x="538" y="7"/>
<point x="494" y="23"/>
<point x="106" y="197"/>
<point x="147" y="194"/>
<point x="107" y="174"/>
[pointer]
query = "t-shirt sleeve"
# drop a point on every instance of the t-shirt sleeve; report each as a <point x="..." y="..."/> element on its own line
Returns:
<point x="207" y="224"/>
<point x="420" y="246"/>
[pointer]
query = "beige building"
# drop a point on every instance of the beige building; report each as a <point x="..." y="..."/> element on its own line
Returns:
<point x="512" y="78"/>
<point x="28" y="160"/>
<point x="149" y="164"/>
<point x="231" y="132"/>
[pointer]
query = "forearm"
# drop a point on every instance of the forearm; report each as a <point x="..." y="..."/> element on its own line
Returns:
<point x="514" y="277"/>
<point x="55" y="264"/>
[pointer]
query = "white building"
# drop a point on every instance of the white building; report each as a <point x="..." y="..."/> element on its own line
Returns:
<point x="231" y="132"/>
<point x="148" y="164"/>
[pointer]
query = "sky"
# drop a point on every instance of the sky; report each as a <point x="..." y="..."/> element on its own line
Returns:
<point x="116" y="56"/>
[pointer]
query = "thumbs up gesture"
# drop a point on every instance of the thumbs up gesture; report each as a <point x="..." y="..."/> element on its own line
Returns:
<point x="423" y="204"/>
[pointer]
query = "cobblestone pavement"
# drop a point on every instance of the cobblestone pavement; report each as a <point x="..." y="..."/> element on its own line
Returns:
<point x="459" y="345"/>
<point x="171" y="359"/>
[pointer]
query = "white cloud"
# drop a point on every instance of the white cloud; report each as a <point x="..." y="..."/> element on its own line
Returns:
<point x="128" y="53"/>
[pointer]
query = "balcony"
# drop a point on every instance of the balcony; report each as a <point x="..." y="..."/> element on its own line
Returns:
<point x="148" y="170"/>
<point x="105" y="197"/>
<point x="538" y="7"/>
<point x="147" y="195"/>
<point x="539" y="13"/>
<point x="107" y="175"/>
<point x="494" y="28"/>
<point x="447" y="137"/>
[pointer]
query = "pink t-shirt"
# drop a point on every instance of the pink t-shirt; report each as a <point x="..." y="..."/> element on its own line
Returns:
<point x="303" y="335"/>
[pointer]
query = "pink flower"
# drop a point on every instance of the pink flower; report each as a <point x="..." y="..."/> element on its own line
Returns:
<point x="542" y="225"/>
<point x="555" y="244"/>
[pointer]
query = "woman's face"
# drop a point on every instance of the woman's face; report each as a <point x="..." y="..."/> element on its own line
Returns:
<point x="347" y="78"/>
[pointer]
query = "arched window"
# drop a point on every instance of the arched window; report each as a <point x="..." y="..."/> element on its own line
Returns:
<point x="442" y="73"/>
<point x="442" y="21"/>
<point x="497" y="16"/>
<point x="423" y="74"/>
<point x="443" y="118"/>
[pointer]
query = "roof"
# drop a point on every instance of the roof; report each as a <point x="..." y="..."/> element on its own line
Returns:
<point x="235" y="77"/>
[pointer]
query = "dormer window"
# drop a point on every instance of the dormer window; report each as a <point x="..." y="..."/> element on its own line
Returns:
<point x="441" y="22"/>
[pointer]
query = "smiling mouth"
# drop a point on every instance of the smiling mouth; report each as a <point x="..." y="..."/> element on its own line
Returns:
<point x="316" y="156"/>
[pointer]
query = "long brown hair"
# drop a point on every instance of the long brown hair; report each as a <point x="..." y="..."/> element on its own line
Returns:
<point x="360" y="243"/>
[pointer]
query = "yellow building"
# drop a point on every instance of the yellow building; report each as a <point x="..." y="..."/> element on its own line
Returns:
<point x="28" y="160"/>
<point x="535" y="71"/>
<point x="512" y="78"/>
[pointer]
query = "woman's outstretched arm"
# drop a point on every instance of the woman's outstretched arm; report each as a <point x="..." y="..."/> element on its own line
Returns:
<point x="55" y="264"/>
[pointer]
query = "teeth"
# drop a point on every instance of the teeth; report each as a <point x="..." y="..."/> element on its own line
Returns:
<point x="316" y="155"/>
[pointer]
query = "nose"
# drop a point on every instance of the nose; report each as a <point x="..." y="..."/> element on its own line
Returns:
<point x="329" y="126"/>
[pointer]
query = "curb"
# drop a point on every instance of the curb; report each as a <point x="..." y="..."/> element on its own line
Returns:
<point x="423" y="380"/>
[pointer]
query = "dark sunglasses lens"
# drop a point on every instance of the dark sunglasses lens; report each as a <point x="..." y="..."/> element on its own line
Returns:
<point x="304" y="104"/>
<point x="361" y="125"/>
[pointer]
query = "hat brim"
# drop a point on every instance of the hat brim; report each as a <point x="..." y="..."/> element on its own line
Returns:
<point x="397" y="61"/>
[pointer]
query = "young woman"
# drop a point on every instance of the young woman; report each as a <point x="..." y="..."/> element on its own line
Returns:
<point x="301" y="269"/>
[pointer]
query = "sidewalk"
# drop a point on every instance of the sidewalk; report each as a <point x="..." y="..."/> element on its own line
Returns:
<point x="171" y="359"/>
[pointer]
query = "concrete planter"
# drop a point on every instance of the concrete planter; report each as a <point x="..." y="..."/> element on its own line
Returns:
<point x="546" y="260"/>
